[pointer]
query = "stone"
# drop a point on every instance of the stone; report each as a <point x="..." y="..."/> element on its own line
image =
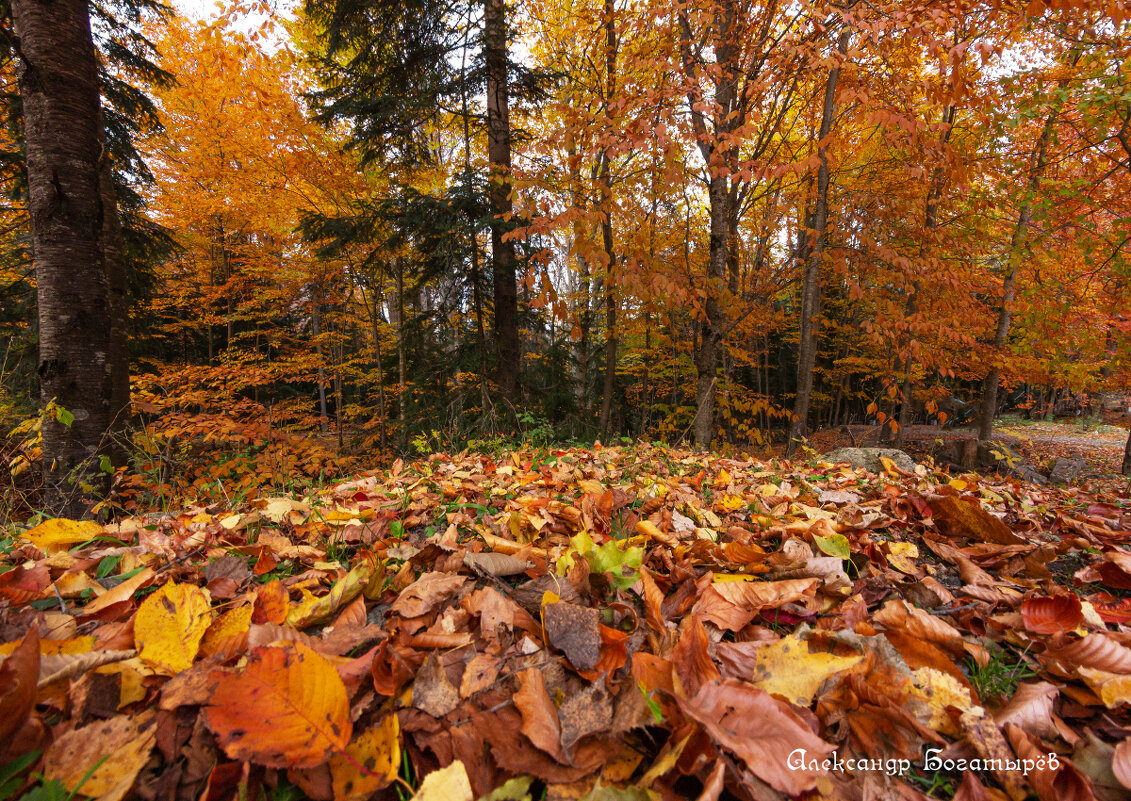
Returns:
<point x="1026" y="472"/>
<point x="869" y="458"/>
<point x="1067" y="469"/>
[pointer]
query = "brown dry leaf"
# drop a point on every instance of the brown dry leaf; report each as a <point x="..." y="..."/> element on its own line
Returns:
<point x="479" y="674"/>
<point x="19" y="674"/>
<point x="287" y="708"/>
<point x="426" y="592"/>
<point x="587" y="712"/>
<point x="353" y="614"/>
<point x="963" y="519"/>
<point x="573" y="629"/>
<point x="169" y="625"/>
<point x="432" y="693"/>
<point x="760" y="730"/>
<point x="539" y="715"/>
<point x="1095" y="651"/>
<point x="916" y="622"/>
<point x="496" y="564"/>
<point x="986" y="738"/>
<point x="972" y="789"/>
<point x="691" y="658"/>
<point x="378" y="752"/>
<point x="1064" y="783"/>
<point x="124" y="742"/>
<point x="755" y="596"/>
<point x="1031" y="708"/>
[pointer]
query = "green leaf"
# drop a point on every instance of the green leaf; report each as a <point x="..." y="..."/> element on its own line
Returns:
<point x="47" y="791"/>
<point x="516" y="789"/>
<point x="64" y="417"/>
<point x="9" y="774"/>
<point x="653" y="705"/>
<point x="104" y="464"/>
<point x="107" y="565"/>
<point x="835" y="545"/>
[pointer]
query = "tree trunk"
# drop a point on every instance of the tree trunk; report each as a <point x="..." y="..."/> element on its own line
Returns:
<point x="607" y="227"/>
<point x="930" y="223"/>
<point x="1039" y="158"/>
<point x="58" y="80"/>
<point x="707" y="355"/>
<point x="718" y="157"/>
<point x="1126" y="468"/>
<point x="402" y="373"/>
<point x="323" y="412"/>
<point x="504" y="275"/>
<point x="811" y="280"/>
<point x="375" y="314"/>
<point x="581" y="340"/>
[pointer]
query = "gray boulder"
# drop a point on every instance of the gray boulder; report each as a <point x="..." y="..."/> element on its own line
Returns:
<point x="1067" y="470"/>
<point x="869" y="458"/>
<point x="1026" y="472"/>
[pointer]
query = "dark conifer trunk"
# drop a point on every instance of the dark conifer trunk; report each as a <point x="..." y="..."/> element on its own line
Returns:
<point x="58" y="77"/>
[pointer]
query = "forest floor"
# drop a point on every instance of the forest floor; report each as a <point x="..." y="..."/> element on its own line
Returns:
<point x="1038" y="442"/>
<point x="615" y="623"/>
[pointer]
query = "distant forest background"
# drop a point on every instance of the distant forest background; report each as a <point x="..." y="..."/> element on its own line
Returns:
<point x="357" y="229"/>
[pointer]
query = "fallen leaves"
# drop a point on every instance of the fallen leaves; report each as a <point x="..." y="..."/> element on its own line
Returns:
<point x="621" y="624"/>
<point x="287" y="708"/>
<point x="104" y="758"/>
<point x="170" y="624"/>
<point x="762" y="731"/>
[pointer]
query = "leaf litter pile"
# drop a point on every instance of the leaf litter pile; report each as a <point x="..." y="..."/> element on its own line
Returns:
<point x="615" y="623"/>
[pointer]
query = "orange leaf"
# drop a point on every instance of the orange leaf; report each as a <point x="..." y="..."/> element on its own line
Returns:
<point x="539" y="716"/>
<point x="288" y="708"/>
<point x="227" y="635"/>
<point x="271" y="604"/>
<point x="18" y="676"/>
<point x="1058" y="614"/>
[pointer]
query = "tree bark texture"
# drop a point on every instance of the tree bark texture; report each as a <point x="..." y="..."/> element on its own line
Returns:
<point x="811" y="278"/>
<point x="1019" y="241"/>
<point x="503" y="269"/>
<point x="59" y="88"/>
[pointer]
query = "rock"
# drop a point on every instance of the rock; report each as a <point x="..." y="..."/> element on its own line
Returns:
<point x="869" y="458"/>
<point x="1026" y="472"/>
<point x="1067" y="470"/>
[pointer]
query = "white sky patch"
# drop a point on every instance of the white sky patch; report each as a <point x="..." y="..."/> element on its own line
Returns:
<point x="207" y="10"/>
